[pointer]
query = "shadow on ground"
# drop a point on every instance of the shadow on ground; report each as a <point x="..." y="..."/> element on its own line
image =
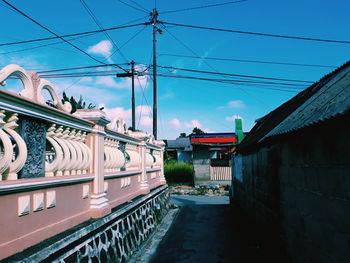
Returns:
<point x="207" y="230"/>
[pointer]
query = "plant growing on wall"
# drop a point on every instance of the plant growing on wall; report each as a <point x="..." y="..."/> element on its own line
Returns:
<point x="80" y="104"/>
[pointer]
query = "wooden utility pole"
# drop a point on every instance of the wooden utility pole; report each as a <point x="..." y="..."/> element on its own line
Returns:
<point x="132" y="75"/>
<point x="154" y="23"/>
<point x="133" y="94"/>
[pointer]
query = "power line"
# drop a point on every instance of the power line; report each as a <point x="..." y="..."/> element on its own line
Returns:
<point x="113" y="72"/>
<point x="71" y="35"/>
<point x="134" y="7"/>
<point x="250" y="61"/>
<point x="193" y="52"/>
<point x="50" y="31"/>
<point x="136" y="3"/>
<point x="97" y="22"/>
<point x="235" y="75"/>
<point x="233" y="82"/>
<point x="257" y="34"/>
<point x="130" y="39"/>
<point x="40" y="46"/>
<point x="200" y="7"/>
<point x="75" y="68"/>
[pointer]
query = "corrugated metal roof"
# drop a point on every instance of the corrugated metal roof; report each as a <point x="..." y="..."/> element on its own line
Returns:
<point x="327" y="92"/>
<point x="331" y="100"/>
<point x="179" y="143"/>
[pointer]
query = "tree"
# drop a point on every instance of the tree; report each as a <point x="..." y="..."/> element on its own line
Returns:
<point x="80" y="104"/>
<point x="196" y="130"/>
<point x="182" y="135"/>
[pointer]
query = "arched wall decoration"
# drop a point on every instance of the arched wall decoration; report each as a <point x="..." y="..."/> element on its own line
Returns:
<point x="118" y="125"/>
<point x="17" y="71"/>
<point x="47" y="85"/>
<point x="33" y="86"/>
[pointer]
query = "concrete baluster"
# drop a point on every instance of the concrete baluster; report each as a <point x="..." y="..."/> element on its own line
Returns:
<point x="144" y="187"/>
<point x="17" y="164"/>
<point x="99" y="206"/>
<point x="6" y="157"/>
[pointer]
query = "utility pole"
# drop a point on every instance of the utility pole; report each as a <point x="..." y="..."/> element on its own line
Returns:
<point x="154" y="23"/>
<point x="132" y="75"/>
<point x="133" y="94"/>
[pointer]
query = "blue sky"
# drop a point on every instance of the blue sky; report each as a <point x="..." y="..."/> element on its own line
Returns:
<point x="182" y="103"/>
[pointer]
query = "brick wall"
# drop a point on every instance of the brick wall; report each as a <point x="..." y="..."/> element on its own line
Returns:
<point x="297" y="192"/>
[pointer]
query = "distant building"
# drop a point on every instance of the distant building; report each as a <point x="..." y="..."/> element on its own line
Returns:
<point x="179" y="149"/>
<point x="211" y="156"/>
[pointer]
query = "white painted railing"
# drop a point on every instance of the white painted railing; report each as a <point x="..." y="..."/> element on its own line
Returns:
<point x="220" y="173"/>
<point x="76" y="166"/>
<point x="11" y="162"/>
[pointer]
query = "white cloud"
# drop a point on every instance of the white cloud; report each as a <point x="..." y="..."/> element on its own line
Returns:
<point x="146" y="121"/>
<point x="103" y="48"/>
<point x="175" y="124"/>
<point x="109" y="81"/>
<point x="193" y="124"/>
<point x="119" y="112"/>
<point x="233" y="117"/>
<point x="236" y="104"/>
<point x="143" y="110"/>
<point x="206" y="54"/>
<point x="220" y="107"/>
<point x="208" y="131"/>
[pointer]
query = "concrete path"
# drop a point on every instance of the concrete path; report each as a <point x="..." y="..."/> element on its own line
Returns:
<point x="202" y="232"/>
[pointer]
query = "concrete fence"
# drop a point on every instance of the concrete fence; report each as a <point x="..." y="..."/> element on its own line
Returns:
<point x="59" y="169"/>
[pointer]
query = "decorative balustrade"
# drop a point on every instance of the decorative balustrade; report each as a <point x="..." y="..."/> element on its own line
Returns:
<point x="133" y="158"/>
<point x="14" y="149"/>
<point x="89" y="163"/>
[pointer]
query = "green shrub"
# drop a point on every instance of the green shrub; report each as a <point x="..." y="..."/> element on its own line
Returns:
<point x="178" y="172"/>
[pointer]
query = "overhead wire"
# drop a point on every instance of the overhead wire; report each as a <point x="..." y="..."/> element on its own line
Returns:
<point x="41" y="46"/>
<point x="97" y="22"/>
<point x="134" y="7"/>
<point x="72" y="35"/>
<point x="257" y="33"/>
<point x="136" y="3"/>
<point x="249" y="61"/>
<point x="230" y="74"/>
<point x="194" y="53"/>
<point x="200" y="7"/>
<point x="228" y="81"/>
<point x="50" y="31"/>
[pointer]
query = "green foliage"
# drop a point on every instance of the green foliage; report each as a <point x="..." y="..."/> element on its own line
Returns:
<point x="196" y="130"/>
<point x="182" y="135"/>
<point x="80" y="104"/>
<point x="178" y="172"/>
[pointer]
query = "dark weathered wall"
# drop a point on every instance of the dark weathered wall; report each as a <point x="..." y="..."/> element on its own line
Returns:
<point x="201" y="163"/>
<point x="297" y="191"/>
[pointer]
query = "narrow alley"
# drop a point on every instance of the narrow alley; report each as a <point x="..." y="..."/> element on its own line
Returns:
<point x="204" y="230"/>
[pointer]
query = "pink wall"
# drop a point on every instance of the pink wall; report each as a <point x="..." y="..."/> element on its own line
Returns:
<point x="20" y="232"/>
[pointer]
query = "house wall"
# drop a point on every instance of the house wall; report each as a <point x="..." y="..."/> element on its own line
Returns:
<point x="297" y="193"/>
<point x="183" y="156"/>
<point x="201" y="163"/>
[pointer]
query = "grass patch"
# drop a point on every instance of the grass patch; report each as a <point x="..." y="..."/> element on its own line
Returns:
<point x="178" y="172"/>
